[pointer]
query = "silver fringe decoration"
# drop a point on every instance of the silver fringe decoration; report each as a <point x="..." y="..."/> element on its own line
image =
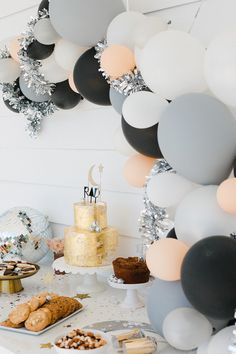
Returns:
<point x="126" y="84"/>
<point x="232" y="347"/>
<point x="154" y="222"/>
<point x="30" y="67"/>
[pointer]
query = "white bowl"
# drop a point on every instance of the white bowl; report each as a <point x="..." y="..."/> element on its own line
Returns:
<point x="100" y="350"/>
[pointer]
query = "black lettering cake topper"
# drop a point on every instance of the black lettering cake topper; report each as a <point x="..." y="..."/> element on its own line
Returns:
<point x="93" y="193"/>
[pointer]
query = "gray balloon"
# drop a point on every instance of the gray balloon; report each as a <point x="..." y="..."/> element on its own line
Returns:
<point x="197" y="136"/>
<point x="164" y="297"/>
<point x="83" y="22"/>
<point x="117" y="100"/>
<point x="30" y="94"/>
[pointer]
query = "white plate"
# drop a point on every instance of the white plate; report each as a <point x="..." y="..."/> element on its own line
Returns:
<point x="26" y="331"/>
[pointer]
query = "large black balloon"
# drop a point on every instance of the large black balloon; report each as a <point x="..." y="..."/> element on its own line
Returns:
<point x="142" y="140"/>
<point x="172" y="234"/>
<point x="7" y="103"/>
<point x="44" y="5"/>
<point x="64" y="97"/>
<point x="208" y="276"/>
<point x="89" y="80"/>
<point x="39" y="51"/>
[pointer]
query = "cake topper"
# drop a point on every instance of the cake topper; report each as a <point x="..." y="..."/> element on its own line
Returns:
<point x="92" y="193"/>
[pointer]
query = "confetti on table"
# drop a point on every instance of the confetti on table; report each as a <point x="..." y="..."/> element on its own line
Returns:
<point x="46" y="346"/>
<point x="82" y="296"/>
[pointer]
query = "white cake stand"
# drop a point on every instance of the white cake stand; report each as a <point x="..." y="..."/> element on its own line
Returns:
<point x="132" y="299"/>
<point x="90" y="283"/>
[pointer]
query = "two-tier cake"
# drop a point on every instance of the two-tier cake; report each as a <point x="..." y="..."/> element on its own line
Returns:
<point x="90" y="242"/>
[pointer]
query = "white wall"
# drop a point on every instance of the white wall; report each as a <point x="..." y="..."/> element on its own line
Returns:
<point x="49" y="173"/>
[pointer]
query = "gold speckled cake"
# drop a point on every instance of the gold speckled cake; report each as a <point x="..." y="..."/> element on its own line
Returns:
<point x="90" y="242"/>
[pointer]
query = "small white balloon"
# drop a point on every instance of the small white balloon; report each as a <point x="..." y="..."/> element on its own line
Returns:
<point x="9" y="70"/>
<point x="186" y="328"/>
<point x="52" y="71"/>
<point x="199" y="216"/>
<point x="143" y="109"/>
<point x="220" y="342"/>
<point x="147" y="28"/>
<point x="121" y="145"/>
<point x="121" y="28"/>
<point x="44" y="32"/>
<point x="172" y="64"/>
<point x="67" y="53"/>
<point x="220" y="67"/>
<point x="168" y="189"/>
<point x="202" y="349"/>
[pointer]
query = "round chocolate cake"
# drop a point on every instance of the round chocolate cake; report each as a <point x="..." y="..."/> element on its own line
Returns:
<point x="131" y="270"/>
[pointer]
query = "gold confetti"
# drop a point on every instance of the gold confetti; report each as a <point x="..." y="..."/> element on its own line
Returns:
<point x="46" y="346"/>
<point x="82" y="296"/>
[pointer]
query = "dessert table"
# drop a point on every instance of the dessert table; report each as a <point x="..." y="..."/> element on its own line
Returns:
<point x="100" y="307"/>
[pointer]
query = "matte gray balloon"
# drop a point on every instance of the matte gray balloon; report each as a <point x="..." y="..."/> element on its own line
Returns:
<point x="84" y="22"/>
<point x="197" y="136"/>
<point x="30" y="94"/>
<point x="117" y="100"/>
<point x="164" y="297"/>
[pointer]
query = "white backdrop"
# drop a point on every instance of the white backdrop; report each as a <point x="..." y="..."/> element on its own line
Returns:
<point x="49" y="173"/>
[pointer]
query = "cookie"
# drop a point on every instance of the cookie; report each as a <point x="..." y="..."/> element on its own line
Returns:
<point x="34" y="303"/>
<point x="42" y="299"/>
<point x="9" y="324"/>
<point x="20" y="314"/>
<point x="38" y="320"/>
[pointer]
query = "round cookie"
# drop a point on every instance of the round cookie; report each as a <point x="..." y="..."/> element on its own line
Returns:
<point x="42" y="298"/>
<point x="9" y="324"/>
<point x="38" y="320"/>
<point x="20" y="314"/>
<point x="34" y="303"/>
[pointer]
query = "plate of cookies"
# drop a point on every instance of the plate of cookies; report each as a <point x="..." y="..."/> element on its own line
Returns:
<point x="41" y="313"/>
<point x="13" y="270"/>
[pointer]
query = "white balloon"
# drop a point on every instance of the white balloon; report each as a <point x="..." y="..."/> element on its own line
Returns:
<point x="67" y="53"/>
<point x="202" y="349"/>
<point x="168" y="189"/>
<point x="220" y="342"/>
<point x="186" y="328"/>
<point x="9" y="70"/>
<point x="44" y="32"/>
<point x="220" y="67"/>
<point x="147" y="28"/>
<point x="121" y="28"/>
<point x="143" y="109"/>
<point x="199" y="216"/>
<point x="137" y="54"/>
<point x="172" y="64"/>
<point x="121" y="145"/>
<point x="52" y="71"/>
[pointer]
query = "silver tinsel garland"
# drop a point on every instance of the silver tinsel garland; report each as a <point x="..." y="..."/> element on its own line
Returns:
<point x="30" y="67"/>
<point x="127" y="84"/>
<point x="154" y="222"/>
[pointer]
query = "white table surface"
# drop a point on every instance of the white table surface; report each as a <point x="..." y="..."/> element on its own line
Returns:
<point x="100" y="307"/>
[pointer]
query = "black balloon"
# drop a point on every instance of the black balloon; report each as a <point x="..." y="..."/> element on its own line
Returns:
<point x="142" y="140"/>
<point x="44" y="5"/>
<point x="7" y="103"/>
<point x="172" y="234"/>
<point x="235" y="168"/>
<point x="89" y="80"/>
<point x="16" y="88"/>
<point x="64" y="97"/>
<point x="208" y="276"/>
<point x="39" y="51"/>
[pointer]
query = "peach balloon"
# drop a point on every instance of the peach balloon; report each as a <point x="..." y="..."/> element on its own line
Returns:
<point x="137" y="168"/>
<point x="72" y="83"/>
<point x="165" y="257"/>
<point x="117" y="60"/>
<point x="14" y="48"/>
<point x="226" y="195"/>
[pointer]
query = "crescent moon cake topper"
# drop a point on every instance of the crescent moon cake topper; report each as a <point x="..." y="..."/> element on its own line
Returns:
<point x="93" y="190"/>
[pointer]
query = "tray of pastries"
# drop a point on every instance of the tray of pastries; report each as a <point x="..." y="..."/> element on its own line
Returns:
<point x="13" y="270"/>
<point x="41" y="313"/>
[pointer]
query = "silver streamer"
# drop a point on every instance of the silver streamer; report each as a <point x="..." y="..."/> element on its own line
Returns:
<point x="33" y="111"/>
<point x="154" y="222"/>
<point x="232" y="346"/>
<point x="127" y="84"/>
<point x="30" y="67"/>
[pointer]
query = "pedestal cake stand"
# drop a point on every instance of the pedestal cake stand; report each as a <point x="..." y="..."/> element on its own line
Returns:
<point x="90" y="283"/>
<point x="132" y="299"/>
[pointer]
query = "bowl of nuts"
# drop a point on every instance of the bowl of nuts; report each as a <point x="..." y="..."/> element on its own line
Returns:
<point x="83" y="340"/>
